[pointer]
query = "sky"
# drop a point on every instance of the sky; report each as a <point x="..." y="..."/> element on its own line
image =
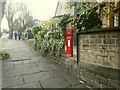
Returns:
<point x="40" y="9"/>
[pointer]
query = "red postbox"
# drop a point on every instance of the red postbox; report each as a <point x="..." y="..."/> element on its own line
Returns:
<point x="69" y="46"/>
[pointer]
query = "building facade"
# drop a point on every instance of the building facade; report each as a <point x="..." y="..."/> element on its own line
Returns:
<point x="63" y="8"/>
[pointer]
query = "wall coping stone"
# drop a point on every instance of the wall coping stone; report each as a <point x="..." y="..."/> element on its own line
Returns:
<point x="100" y="30"/>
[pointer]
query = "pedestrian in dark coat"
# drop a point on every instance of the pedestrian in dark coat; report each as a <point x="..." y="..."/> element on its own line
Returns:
<point x="15" y="34"/>
<point x="19" y="35"/>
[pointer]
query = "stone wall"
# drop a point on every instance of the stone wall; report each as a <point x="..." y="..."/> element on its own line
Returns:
<point x="100" y="49"/>
<point x="99" y="57"/>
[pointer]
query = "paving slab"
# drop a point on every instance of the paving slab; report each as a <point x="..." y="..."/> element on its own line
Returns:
<point x="7" y="62"/>
<point x="12" y="81"/>
<point x="44" y="62"/>
<point x="32" y="60"/>
<point x="46" y="66"/>
<point x="8" y="67"/>
<point x="16" y="47"/>
<point x="0" y="74"/>
<point x="37" y="77"/>
<point x="20" y="71"/>
<point x="55" y="83"/>
<point x="25" y="65"/>
<point x="0" y="81"/>
<point x="72" y="81"/>
<point x="29" y="85"/>
<point x="27" y="69"/>
<point x="57" y="73"/>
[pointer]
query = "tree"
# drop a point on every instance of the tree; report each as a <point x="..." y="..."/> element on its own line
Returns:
<point x="17" y="25"/>
<point x="104" y="9"/>
<point x="24" y="18"/>
<point x="0" y="33"/>
<point x="5" y="31"/>
<point x="10" y="11"/>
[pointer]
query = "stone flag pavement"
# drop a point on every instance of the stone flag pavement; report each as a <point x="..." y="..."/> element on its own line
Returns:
<point x="27" y="69"/>
<point x="3" y="40"/>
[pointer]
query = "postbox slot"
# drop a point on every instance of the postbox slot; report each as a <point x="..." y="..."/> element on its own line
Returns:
<point x="68" y="34"/>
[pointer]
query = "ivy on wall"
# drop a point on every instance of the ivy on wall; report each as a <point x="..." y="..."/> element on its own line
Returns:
<point x="62" y="23"/>
<point x="91" y="14"/>
<point x="86" y="20"/>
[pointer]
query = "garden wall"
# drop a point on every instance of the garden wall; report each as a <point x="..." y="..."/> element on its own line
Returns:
<point x="97" y="60"/>
<point x="99" y="57"/>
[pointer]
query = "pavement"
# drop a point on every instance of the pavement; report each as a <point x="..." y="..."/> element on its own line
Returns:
<point x="26" y="68"/>
<point x="3" y="40"/>
<point x="0" y="65"/>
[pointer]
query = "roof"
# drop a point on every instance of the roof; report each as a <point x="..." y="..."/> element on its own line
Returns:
<point x="62" y="9"/>
<point x="57" y="7"/>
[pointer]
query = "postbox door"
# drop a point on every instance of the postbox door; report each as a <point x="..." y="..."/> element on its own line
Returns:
<point x="69" y="47"/>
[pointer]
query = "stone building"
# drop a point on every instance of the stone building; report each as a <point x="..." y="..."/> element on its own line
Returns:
<point x="2" y="7"/>
<point x="62" y="8"/>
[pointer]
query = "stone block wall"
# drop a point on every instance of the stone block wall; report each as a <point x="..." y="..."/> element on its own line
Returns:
<point x="99" y="58"/>
<point x="100" y="49"/>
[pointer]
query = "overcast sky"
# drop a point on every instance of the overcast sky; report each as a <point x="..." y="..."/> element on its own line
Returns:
<point x="40" y="9"/>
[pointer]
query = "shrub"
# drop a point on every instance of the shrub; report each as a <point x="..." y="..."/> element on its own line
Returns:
<point x="5" y="55"/>
<point x="87" y="19"/>
<point x="36" y="29"/>
<point x="53" y="46"/>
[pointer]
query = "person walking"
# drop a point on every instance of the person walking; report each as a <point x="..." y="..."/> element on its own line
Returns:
<point x="19" y="35"/>
<point x="15" y="34"/>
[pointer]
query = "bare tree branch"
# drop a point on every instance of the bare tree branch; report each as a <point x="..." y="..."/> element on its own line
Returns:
<point x="11" y="9"/>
